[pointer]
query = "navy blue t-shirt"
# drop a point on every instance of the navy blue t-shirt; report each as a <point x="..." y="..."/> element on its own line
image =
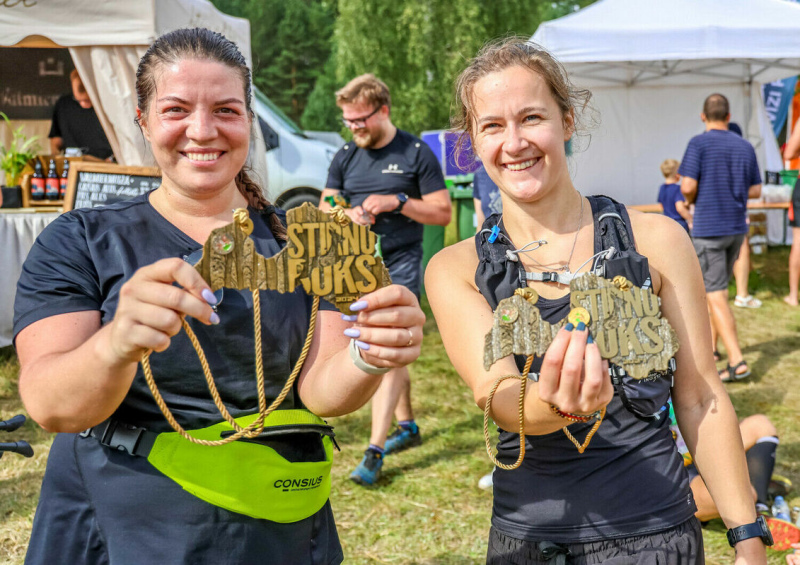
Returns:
<point x="725" y="167"/>
<point x="405" y="165"/>
<point x="80" y="262"/>
<point x="99" y="505"/>
<point x="668" y="195"/>
<point x="485" y="190"/>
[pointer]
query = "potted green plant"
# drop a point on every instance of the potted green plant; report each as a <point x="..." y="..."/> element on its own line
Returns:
<point x="12" y="161"/>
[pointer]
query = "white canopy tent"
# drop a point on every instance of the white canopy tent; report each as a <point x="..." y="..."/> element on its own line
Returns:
<point x="650" y="65"/>
<point x="106" y="39"/>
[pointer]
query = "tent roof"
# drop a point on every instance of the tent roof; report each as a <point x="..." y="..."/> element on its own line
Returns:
<point x="656" y="42"/>
<point x="81" y="23"/>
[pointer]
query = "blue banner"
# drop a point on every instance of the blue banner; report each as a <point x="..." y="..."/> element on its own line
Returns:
<point x="777" y="98"/>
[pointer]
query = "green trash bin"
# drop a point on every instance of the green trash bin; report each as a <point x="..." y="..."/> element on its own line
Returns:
<point x="462" y="221"/>
<point x="789" y="177"/>
<point x="463" y="206"/>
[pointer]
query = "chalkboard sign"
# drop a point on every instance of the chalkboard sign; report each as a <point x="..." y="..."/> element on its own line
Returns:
<point x="97" y="184"/>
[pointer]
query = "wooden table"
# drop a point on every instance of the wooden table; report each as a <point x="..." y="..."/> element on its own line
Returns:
<point x="751" y="205"/>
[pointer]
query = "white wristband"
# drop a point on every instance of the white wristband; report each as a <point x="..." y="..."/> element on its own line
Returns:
<point x="355" y="355"/>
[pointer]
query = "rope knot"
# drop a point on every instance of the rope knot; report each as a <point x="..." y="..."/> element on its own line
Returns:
<point x="339" y="216"/>
<point x="242" y="219"/>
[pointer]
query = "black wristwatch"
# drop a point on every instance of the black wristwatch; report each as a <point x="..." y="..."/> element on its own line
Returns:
<point x="402" y="199"/>
<point x="757" y="529"/>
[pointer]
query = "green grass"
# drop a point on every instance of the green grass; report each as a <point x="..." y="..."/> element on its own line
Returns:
<point x="427" y="508"/>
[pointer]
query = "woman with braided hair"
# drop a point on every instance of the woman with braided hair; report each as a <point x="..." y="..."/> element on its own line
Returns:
<point x="621" y="496"/>
<point x="102" y="287"/>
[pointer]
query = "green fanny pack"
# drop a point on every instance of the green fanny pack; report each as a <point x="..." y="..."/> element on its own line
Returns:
<point x="282" y="475"/>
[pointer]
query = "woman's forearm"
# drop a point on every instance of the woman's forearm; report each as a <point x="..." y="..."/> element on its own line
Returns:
<point x="337" y="387"/>
<point x="712" y="435"/>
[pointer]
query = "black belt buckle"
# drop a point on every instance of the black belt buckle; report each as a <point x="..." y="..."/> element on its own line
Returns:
<point x="124" y="438"/>
<point x="116" y="435"/>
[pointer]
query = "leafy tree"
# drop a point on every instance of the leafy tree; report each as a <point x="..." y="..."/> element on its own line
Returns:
<point x="418" y="47"/>
<point x="304" y="50"/>
<point x="290" y="43"/>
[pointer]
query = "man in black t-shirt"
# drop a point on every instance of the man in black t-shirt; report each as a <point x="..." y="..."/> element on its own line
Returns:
<point x="394" y="184"/>
<point x="75" y="124"/>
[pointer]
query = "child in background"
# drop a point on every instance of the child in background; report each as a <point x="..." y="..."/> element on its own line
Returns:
<point x="670" y="197"/>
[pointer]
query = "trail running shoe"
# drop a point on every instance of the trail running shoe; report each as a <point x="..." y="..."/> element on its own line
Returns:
<point x="784" y="534"/>
<point x="401" y="439"/>
<point x="369" y="470"/>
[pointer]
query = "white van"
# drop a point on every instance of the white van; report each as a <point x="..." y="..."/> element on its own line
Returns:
<point x="297" y="164"/>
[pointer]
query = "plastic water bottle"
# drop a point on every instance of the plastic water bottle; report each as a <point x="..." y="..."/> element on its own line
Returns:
<point x="780" y="509"/>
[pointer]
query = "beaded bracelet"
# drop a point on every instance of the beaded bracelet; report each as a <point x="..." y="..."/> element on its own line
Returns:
<point x="580" y="418"/>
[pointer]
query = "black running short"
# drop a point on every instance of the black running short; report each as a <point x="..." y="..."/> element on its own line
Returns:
<point x="681" y="545"/>
<point x="794" y="206"/>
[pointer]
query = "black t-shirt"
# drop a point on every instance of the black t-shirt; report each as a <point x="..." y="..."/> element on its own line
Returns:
<point x="79" y="127"/>
<point x="630" y="480"/>
<point x="405" y="165"/>
<point x="80" y="261"/>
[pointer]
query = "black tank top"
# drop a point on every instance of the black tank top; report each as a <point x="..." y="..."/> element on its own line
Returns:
<point x="629" y="481"/>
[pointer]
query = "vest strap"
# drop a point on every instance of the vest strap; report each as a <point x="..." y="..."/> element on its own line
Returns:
<point x="551" y="276"/>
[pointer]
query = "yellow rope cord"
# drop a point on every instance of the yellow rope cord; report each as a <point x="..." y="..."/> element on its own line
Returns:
<point x="582" y="447"/>
<point x="257" y="425"/>
<point x="523" y="378"/>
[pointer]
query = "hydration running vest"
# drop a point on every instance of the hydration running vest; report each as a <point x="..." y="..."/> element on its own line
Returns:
<point x="498" y="276"/>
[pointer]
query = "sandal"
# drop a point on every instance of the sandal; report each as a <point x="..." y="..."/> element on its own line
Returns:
<point x="732" y="374"/>
<point x="717" y="356"/>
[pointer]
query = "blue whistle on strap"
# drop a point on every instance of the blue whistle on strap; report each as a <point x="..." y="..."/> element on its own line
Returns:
<point x="494" y="235"/>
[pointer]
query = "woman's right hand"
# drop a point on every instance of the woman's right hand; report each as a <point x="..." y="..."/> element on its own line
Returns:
<point x="151" y="308"/>
<point x="573" y="376"/>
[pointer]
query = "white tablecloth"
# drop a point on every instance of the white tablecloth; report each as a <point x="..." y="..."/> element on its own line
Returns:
<point x="18" y="231"/>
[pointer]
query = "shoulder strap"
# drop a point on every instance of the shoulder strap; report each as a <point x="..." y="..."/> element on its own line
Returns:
<point x="613" y="229"/>
<point x="612" y="224"/>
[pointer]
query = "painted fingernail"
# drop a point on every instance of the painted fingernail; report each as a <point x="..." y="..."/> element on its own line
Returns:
<point x="589" y="340"/>
<point x="208" y="296"/>
<point x="569" y="327"/>
<point x="580" y="327"/>
<point x="348" y="318"/>
<point x="358" y="306"/>
<point x="214" y="318"/>
<point x="362" y="345"/>
<point x="352" y="332"/>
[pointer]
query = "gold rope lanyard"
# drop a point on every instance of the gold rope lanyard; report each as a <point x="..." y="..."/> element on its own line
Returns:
<point x="523" y="378"/>
<point x="257" y="426"/>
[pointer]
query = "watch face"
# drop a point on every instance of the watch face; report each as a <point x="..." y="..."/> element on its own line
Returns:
<point x="766" y="534"/>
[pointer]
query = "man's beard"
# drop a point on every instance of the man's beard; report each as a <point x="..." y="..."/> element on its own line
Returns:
<point x="363" y="140"/>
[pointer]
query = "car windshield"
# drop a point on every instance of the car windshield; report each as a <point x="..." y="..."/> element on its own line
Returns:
<point x="286" y="121"/>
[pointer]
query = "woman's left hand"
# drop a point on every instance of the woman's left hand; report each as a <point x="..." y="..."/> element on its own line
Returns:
<point x="388" y="326"/>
